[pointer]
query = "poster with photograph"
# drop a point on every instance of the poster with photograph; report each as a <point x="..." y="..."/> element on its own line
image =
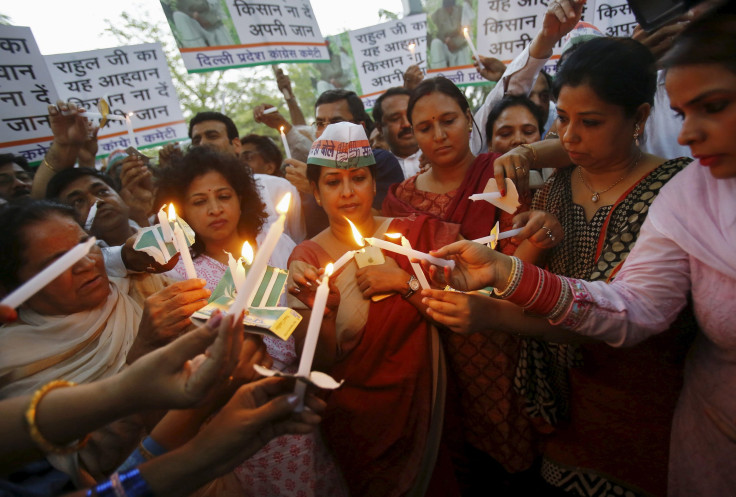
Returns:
<point x="26" y="90"/>
<point x="215" y="35"/>
<point x="385" y="51"/>
<point x="136" y="83"/>
<point x="448" y="51"/>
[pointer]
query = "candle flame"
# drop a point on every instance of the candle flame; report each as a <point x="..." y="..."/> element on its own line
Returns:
<point x="395" y="236"/>
<point x="172" y="213"/>
<point x="356" y="234"/>
<point x="494" y="234"/>
<point x="412" y="46"/>
<point x="465" y="31"/>
<point x="283" y="205"/>
<point x="247" y="253"/>
<point x="282" y="130"/>
<point x="328" y="269"/>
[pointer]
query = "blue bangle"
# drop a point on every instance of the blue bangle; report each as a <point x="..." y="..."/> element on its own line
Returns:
<point x="130" y="484"/>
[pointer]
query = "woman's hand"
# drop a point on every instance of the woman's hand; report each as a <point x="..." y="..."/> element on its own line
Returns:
<point x="514" y="164"/>
<point x="462" y="313"/>
<point x="253" y="352"/>
<point x="303" y="281"/>
<point x="541" y="228"/>
<point x="256" y="414"/>
<point x="476" y="266"/>
<point x="139" y="261"/>
<point x="183" y="373"/>
<point x="166" y="314"/>
<point x="382" y="278"/>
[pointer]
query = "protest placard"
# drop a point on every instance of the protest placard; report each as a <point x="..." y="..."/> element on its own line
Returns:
<point x="383" y="53"/>
<point x="26" y="89"/>
<point x="244" y="34"/>
<point x="137" y="84"/>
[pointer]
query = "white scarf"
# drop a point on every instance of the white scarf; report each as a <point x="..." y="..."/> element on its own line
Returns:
<point x="81" y="347"/>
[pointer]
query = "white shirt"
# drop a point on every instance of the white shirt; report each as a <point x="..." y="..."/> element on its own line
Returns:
<point x="410" y="165"/>
<point x="663" y="127"/>
<point x="273" y="189"/>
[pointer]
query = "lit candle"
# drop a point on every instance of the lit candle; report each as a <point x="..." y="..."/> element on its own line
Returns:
<point x="48" y="274"/>
<point x="310" y="341"/>
<point x="129" y="127"/>
<point x="237" y="268"/>
<point x="247" y="292"/>
<point x="466" y="34"/>
<point x="287" y="151"/>
<point x="164" y="222"/>
<point x="410" y="253"/>
<point x="412" y="49"/>
<point x="415" y="266"/>
<point x="495" y="236"/>
<point x="180" y="242"/>
<point x="91" y="216"/>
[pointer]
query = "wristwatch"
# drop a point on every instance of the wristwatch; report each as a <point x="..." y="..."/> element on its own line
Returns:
<point x="413" y="287"/>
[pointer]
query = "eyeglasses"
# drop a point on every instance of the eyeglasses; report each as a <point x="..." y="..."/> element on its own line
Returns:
<point x="322" y="124"/>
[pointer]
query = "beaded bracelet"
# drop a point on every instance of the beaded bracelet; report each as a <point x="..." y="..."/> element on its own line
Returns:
<point x="130" y="484"/>
<point x="33" y="431"/>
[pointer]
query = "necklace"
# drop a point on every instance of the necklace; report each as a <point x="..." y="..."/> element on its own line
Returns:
<point x="597" y="195"/>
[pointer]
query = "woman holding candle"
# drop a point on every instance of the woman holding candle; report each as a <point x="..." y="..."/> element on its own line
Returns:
<point x="81" y="326"/>
<point x="499" y="436"/>
<point x="219" y="200"/>
<point x="605" y="90"/>
<point x="382" y="423"/>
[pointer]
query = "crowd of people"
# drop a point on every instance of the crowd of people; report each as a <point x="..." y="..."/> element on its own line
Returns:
<point x="589" y="354"/>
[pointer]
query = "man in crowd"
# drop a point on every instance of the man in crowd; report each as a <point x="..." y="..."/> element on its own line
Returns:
<point x="15" y="177"/>
<point x="261" y="154"/>
<point x="394" y="128"/>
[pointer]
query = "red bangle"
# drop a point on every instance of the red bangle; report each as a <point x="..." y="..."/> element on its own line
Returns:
<point x="550" y="296"/>
<point x="527" y="286"/>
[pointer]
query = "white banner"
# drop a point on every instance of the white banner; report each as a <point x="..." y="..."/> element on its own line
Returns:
<point x="211" y="38"/>
<point x="136" y="82"/>
<point x="382" y="54"/>
<point x="26" y="89"/>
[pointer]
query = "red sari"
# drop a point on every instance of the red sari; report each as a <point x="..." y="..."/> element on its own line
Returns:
<point x="483" y="364"/>
<point x="377" y="421"/>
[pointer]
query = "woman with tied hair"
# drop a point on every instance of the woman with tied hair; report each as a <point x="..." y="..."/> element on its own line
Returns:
<point x="513" y="121"/>
<point x="682" y="253"/>
<point x="607" y="405"/>
<point x="219" y="199"/>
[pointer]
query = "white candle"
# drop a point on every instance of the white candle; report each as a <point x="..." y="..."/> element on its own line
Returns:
<point x="411" y="253"/>
<point x="91" y="216"/>
<point x="245" y="294"/>
<point x="129" y="127"/>
<point x="415" y="266"/>
<point x="412" y="49"/>
<point x="485" y="196"/>
<point x="310" y="341"/>
<point x="164" y="221"/>
<point x="501" y="236"/>
<point x="287" y="150"/>
<point x="344" y="259"/>
<point x="48" y="274"/>
<point x="180" y="242"/>
<point x="466" y="34"/>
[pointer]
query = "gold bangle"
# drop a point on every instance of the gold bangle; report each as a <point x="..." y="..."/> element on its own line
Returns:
<point x="33" y="431"/>
<point x="526" y="146"/>
<point x="46" y="163"/>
